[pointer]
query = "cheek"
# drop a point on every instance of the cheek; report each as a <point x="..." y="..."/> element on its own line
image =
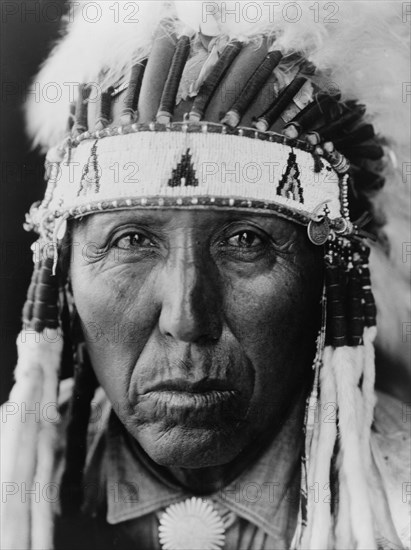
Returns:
<point x="273" y="318"/>
<point x="117" y="313"/>
<point x="264" y="309"/>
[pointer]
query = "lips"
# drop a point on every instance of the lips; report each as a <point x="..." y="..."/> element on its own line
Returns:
<point x="191" y="387"/>
<point x="183" y="385"/>
<point x="190" y="399"/>
<point x="188" y="403"/>
<point x="180" y="393"/>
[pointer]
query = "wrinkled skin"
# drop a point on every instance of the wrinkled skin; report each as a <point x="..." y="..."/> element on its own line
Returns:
<point x="200" y="325"/>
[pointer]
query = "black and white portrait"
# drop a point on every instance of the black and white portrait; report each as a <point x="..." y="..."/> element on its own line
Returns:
<point x="206" y="259"/>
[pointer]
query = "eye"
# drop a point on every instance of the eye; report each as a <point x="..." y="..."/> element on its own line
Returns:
<point x="133" y="241"/>
<point x="245" y="239"/>
<point x="241" y="242"/>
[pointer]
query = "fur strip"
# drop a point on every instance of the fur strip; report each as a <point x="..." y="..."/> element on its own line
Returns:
<point x="321" y="523"/>
<point x="343" y="528"/>
<point x="20" y="437"/>
<point x="311" y="464"/>
<point x="18" y="442"/>
<point x="369" y="398"/>
<point x="42" y="512"/>
<point x="346" y="374"/>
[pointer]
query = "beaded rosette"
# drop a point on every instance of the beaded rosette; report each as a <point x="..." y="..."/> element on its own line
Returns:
<point x="190" y="525"/>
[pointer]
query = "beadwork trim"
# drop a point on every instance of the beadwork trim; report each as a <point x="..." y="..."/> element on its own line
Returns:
<point x="262" y="207"/>
<point x="199" y="164"/>
<point x="192" y="127"/>
<point x="169" y="176"/>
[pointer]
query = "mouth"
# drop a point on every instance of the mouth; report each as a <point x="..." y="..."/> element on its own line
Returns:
<point x="177" y="399"/>
<point x="181" y="394"/>
<point x="182" y="401"/>
<point x="181" y="385"/>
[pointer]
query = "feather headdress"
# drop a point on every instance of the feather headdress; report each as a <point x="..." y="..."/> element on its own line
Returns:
<point x="362" y="48"/>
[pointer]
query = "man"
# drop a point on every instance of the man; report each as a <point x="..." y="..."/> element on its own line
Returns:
<point x="203" y="247"/>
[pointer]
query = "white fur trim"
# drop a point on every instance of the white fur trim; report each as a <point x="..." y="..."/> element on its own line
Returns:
<point x="368" y="393"/>
<point x="347" y="374"/>
<point x="27" y="442"/>
<point x="321" y="520"/>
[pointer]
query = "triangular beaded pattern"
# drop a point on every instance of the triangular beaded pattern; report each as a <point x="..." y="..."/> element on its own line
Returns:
<point x="184" y="173"/>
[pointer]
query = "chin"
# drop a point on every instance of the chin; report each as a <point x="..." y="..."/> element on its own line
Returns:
<point x="188" y="448"/>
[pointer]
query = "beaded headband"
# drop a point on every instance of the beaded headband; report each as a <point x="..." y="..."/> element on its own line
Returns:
<point x="192" y="164"/>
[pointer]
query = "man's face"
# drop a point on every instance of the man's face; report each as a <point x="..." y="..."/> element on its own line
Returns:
<point x="200" y="324"/>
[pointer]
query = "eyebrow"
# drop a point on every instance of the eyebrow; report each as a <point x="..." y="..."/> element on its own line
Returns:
<point x="108" y="220"/>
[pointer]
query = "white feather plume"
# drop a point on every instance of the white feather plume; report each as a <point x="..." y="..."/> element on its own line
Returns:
<point x="363" y="46"/>
<point x="112" y="43"/>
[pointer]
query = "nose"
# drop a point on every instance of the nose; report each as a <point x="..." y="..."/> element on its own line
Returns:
<point x="191" y="304"/>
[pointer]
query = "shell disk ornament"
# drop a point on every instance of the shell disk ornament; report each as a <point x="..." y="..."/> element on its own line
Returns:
<point x="191" y="525"/>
